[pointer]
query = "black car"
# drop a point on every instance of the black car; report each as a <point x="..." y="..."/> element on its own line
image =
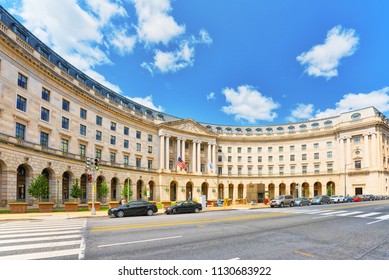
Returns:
<point x="321" y="199"/>
<point x="301" y="201"/>
<point x="133" y="208"/>
<point x="186" y="206"/>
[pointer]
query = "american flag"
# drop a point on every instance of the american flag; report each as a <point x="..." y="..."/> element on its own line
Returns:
<point x="181" y="163"/>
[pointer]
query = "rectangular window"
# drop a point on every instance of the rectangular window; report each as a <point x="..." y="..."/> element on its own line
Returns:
<point x="22" y="81"/>
<point x="219" y="158"/>
<point x="229" y="170"/>
<point x="229" y="158"/>
<point x="239" y="170"/>
<point x="229" y="149"/>
<point x="281" y="171"/>
<point x="150" y="138"/>
<point x="291" y="148"/>
<point x="112" y="157"/>
<point x="329" y="144"/>
<point x="260" y="170"/>
<point x="281" y="158"/>
<point x="98" y="135"/>
<point x="138" y="134"/>
<point x="357" y="139"/>
<point x="259" y="150"/>
<point x="202" y="168"/>
<point x="21" y="103"/>
<point x="358" y="164"/>
<point x="249" y="170"/>
<point x="329" y="168"/>
<point x="220" y="170"/>
<point x="249" y="159"/>
<point x="270" y="149"/>
<point x="304" y="147"/>
<point x="126" y="144"/>
<point x="317" y="168"/>
<point x="249" y="150"/>
<point x="293" y="170"/>
<point x="99" y="120"/>
<point x="45" y="114"/>
<point x="316" y="156"/>
<point x="270" y="170"/>
<point x="239" y="159"/>
<point x="64" y="145"/>
<point x="82" y="113"/>
<point x="113" y="140"/>
<point x="113" y="126"/>
<point x="239" y="150"/>
<point x="82" y="150"/>
<point x="82" y="129"/>
<point x="46" y="94"/>
<point x="98" y="153"/>
<point x="65" y="105"/>
<point x="292" y="157"/>
<point x="304" y="157"/>
<point x="150" y="149"/>
<point x="304" y="169"/>
<point x="65" y="123"/>
<point x="138" y="162"/>
<point x="219" y="149"/>
<point x="259" y="158"/>
<point x="270" y="159"/>
<point x="138" y="147"/>
<point x="149" y="164"/>
<point x="44" y="139"/>
<point x="316" y="146"/>
<point x="126" y="160"/>
<point x="126" y="131"/>
<point x="329" y="154"/>
<point x="280" y="149"/>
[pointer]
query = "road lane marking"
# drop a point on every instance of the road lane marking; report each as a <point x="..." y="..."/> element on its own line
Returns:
<point x="139" y="241"/>
<point x="303" y="253"/>
<point x="39" y="245"/>
<point x="40" y="234"/>
<point x="385" y="217"/>
<point x="319" y="212"/>
<point x="321" y="217"/>
<point x="178" y="223"/>
<point x="42" y="255"/>
<point x="368" y="214"/>
<point x="375" y="222"/>
<point x="234" y="259"/>
<point x="332" y="213"/>
<point x="350" y="213"/>
<point x="34" y="239"/>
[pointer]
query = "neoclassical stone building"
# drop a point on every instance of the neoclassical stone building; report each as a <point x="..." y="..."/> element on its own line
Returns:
<point x="53" y="117"/>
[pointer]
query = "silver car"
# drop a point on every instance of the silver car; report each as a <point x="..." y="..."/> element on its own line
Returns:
<point x="282" y="200"/>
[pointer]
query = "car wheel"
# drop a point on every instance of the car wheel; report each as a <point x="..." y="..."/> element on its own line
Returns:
<point x="174" y="211"/>
<point x="120" y="214"/>
<point x="321" y="202"/>
<point x="197" y="210"/>
<point x="282" y="204"/>
<point x="291" y="204"/>
<point x="150" y="212"/>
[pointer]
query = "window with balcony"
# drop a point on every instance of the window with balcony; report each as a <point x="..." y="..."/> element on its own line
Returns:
<point x="82" y="149"/>
<point x="64" y="145"/>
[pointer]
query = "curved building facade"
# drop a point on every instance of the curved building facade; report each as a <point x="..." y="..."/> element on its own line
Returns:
<point x="53" y="117"/>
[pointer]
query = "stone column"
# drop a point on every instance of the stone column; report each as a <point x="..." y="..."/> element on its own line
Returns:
<point x="348" y="150"/>
<point x="178" y="152"/>
<point x="342" y="156"/>
<point x="167" y="151"/>
<point x="198" y="160"/>
<point x="161" y="152"/>
<point x="366" y="153"/>
<point x="209" y="157"/>
<point x="214" y="154"/>
<point x="194" y="164"/>
<point x="373" y="150"/>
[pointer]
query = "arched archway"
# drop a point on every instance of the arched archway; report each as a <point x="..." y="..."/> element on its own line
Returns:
<point x="173" y="190"/>
<point x="204" y="190"/>
<point x="317" y="189"/>
<point x="240" y="191"/>
<point x="129" y="194"/>
<point x="272" y="191"/>
<point x="99" y="181"/>
<point x="139" y="188"/>
<point x="49" y="174"/>
<point x="305" y="190"/>
<point x="152" y="190"/>
<point x="231" y="191"/>
<point x="114" y="188"/>
<point x="220" y="192"/>
<point x="84" y="189"/>
<point x="21" y="182"/>
<point x="189" y="190"/>
<point x="66" y="179"/>
<point x="330" y="188"/>
<point x="282" y="189"/>
<point x="293" y="189"/>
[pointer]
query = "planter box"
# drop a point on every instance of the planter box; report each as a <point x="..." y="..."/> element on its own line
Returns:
<point x="71" y="206"/>
<point x="153" y="202"/>
<point x="45" y="207"/>
<point x="18" y="207"/>
<point x="166" y="203"/>
<point x="97" y="205"/>
<point x="112" y="204"/>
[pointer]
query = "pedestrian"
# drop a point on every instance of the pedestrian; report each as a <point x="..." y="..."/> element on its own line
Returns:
<point x="122" y="201"/>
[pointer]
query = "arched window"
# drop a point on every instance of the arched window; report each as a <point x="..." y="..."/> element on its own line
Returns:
<point x="355" y="116"/>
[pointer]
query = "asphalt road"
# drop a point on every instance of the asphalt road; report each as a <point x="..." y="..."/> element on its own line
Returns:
<point x="352" y="231"/>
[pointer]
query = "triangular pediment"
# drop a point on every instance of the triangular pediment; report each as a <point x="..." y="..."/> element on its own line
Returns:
<point x="188" y="126"/>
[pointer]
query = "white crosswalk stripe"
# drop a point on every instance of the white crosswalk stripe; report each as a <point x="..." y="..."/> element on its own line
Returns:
<point x="43" y="239"/>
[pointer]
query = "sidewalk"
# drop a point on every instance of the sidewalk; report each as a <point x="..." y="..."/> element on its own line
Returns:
<point x="103" y="213"/>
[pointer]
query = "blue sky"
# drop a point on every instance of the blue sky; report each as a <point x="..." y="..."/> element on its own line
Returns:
<point x="235" y="62"/>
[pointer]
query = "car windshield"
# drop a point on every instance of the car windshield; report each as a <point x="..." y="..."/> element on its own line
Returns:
<point x="280" y="197"/>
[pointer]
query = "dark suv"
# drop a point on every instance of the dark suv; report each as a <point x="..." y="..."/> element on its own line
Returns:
<point x="282" y="200"/>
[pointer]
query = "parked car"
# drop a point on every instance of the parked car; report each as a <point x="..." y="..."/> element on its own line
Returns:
<point x="321" y="199"/>
<point x="301" y="201"/>
<point x="186" y="206"/>
<point x="358" y="198"/>
<point x="369" y="197"/>
<point x="282" y="200"/>
<point x="348" y="199"/>
<point x="337" y="198"/>
<point x="133" y="208"/>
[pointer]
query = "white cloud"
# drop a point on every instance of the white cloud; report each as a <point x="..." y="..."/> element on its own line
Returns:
<point x="352" y="101"/>
<point x="122" y="42"/>
<point x="148" y="102"/>
<point x="302" y="111"/>
<point x="205" y="38"/>
<point x="172" y="61"/>
<point x="211" y="96"/>
<point x="105" y="10"/>
<point x="249" y="104"/>
<point x="155" y="25"/>
<point x="323" y="60"/>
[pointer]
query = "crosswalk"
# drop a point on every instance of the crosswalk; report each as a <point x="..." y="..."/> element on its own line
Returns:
<point x="331" y="212"/>
<point x="42" y="239"/>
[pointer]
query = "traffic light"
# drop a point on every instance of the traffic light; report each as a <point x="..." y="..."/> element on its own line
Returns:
<point x="87" y="162"/>
<point x="97" y="167"/>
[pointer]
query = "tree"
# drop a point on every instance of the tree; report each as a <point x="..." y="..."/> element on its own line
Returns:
<point x="102" y="191"/>
<point x="76" y="191"/>
<point x="126" y="191"/>
<point x="39" y="187"/>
